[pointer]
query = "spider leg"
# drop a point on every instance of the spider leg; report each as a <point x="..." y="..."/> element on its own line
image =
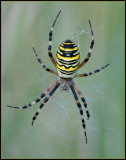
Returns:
<point x="80" y="108"/>
<point x="40" y="61"/>
<point x="90" y="50"/>
<point x="50" y="41"/>
<point x="38" y="99"/>
<point x="44" y="101"/>
<point x="90" y="73"/>
<point x="82" y="98"/>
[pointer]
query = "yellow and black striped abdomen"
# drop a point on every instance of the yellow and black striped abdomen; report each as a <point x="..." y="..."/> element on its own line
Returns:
<point x="68" y="59"/>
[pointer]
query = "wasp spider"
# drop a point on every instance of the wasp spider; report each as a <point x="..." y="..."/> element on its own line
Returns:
<point x="67" y="63"/>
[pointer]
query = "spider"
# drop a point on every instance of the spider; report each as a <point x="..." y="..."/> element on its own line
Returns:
<point x="67" y="63"/>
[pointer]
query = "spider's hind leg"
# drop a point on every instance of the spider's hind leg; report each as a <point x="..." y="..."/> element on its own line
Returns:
<point x="38" y="99"/>
<point x="82" y="98"/>
<point x="80" y="108"/>
<point x="45" y="100"/>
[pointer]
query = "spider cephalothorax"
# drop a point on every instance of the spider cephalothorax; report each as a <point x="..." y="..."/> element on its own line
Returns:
<point x="65" y="83"/>
<point x="67" y="63"/>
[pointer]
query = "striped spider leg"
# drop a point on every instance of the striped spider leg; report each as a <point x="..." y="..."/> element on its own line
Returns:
<point x="45" y="100"/>
<point x="90" y="73"/>
<point x="80" y="108"/>
<point x="50" y="41"/>
<point x="49" y="49"/>
<point x="40" y="61"/>
<point x="39" y="98"/>
<point x="82" y="98"/>
<point x="90" y="50"/>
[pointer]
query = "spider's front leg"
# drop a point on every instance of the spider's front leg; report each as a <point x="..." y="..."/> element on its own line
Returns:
<point x="50" y="41"/>
<point x="90" y="50"/>
<point x="43" y="65"/>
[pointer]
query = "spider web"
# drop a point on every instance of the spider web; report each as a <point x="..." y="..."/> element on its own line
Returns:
<point x="57" y="131"/>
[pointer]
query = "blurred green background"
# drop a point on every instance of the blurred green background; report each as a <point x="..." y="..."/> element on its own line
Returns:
<point x="57" y="131"/>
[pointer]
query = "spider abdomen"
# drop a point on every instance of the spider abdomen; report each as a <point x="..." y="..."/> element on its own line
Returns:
<point x="68" y="59"/>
